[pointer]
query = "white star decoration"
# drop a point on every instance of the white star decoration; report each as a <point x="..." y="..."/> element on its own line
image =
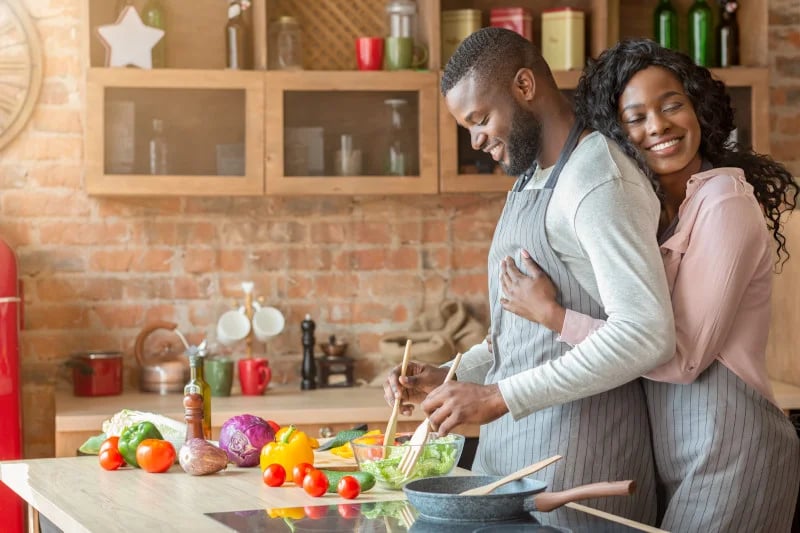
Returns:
<point x="129" y="41"/>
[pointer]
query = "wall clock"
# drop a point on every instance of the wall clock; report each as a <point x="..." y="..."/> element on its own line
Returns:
<point x="20" y="68"/>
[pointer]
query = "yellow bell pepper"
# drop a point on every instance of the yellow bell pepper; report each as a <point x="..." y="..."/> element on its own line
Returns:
<point x="291" y="447"/>
<point x="346" y="451"/>
<point x="296" y="513"/>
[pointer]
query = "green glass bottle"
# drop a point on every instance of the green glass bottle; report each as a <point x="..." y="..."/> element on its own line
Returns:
<point x="665" y="25"/>
<point x="700" y="36"/>
<point x="197" y="385"/>
<point x="728" y="36"/>
<point x="153" y="15"/>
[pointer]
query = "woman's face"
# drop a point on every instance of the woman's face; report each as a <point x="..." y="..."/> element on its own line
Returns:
<point x="659" y="119"/>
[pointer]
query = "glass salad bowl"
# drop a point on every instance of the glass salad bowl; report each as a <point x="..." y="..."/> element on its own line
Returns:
<point x="438" y="457"/>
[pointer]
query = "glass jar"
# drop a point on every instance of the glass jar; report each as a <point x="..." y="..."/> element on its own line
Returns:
<point x="402" y="15"/>
<point x="285" y="47"/>
<point x="398" y="160"/>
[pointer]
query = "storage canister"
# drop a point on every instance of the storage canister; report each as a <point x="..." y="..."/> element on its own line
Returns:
<point x="96" y="373"/>
<point x="563" y="38"/>
<point x="517" y="19"/>
<point x="457" y="24"/>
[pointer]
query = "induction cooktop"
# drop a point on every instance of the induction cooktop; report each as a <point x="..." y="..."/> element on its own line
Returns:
<point x="400" y="517"/>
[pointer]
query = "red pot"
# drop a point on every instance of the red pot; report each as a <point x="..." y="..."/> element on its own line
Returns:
<point x="96" y="373"/>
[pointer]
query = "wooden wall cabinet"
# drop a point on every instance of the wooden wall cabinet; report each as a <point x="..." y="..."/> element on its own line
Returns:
<point x="308" y="113"/>
<point x="219" y="113"/>
<point x="213" y="129"/>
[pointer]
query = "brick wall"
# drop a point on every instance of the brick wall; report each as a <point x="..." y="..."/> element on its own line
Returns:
<point x="784" y="65"/>
<point x="96" y="270"/>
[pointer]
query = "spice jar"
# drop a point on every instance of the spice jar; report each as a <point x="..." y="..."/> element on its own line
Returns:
<point x="285" y="46"/>
<point x="402" y="15"/>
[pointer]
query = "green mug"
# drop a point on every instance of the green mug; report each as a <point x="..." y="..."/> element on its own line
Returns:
<point x="402" y="53"/>
<point x="218" y="373"/>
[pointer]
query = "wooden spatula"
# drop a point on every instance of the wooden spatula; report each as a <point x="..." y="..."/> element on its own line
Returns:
<point x="420" y="435"/>
<point x="519" y="474"/>
<point x="388" y="436"/>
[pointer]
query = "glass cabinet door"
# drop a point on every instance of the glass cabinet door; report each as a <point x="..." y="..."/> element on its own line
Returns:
<point x="351" y="133"/>
<point x="162" y="132"/>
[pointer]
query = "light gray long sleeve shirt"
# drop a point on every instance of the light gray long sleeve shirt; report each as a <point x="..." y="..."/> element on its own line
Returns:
<point x="602" y="222"/>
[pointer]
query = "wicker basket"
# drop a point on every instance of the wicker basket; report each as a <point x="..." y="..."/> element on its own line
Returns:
<point x="329" y="28"/>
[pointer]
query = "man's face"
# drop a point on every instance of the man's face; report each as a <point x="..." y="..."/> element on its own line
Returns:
<point x="497" y="123"/>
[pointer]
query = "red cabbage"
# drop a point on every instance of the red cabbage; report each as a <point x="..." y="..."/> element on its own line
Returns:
<point x="242" y="438"/>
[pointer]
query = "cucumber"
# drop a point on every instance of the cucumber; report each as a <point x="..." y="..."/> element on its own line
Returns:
<point x="341" y="438"/>
<point x="365" y="479"/>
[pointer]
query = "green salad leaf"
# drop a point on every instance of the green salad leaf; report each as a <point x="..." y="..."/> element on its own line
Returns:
<point x="437" y="458"/>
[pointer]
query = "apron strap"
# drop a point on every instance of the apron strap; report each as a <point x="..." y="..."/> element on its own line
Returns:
<point x="569" y="147"/>
<point x="566" y="151"/>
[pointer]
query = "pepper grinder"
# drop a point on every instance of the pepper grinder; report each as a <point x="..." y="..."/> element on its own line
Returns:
<point x="309" y="364"/>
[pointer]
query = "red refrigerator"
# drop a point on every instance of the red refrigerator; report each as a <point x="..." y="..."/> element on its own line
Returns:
<point x="11" y="509"/>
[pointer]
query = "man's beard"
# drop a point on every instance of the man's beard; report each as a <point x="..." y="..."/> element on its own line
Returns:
<point x="524" y="142"/>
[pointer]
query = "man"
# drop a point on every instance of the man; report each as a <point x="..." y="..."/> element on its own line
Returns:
<point x="589" y="219"/>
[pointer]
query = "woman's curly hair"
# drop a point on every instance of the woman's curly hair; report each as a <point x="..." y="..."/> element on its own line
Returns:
<point x="597" y="104"/>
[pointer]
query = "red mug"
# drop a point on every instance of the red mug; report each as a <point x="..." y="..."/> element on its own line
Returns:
<point x="254" y="376"/>
<point x="369" y="53"/>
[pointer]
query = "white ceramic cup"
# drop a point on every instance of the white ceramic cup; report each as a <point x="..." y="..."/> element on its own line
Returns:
<point x="232" y="327"/>
<point x="267" y="322"/>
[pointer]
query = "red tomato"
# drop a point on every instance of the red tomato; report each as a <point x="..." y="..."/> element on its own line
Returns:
<point x="274" y="425"/>
<point x="111" y="459"/>
<point x="111" y="443"/>
<point x="316" y="512"/>
<point x="274" y="475"/>
<point x="300" y="471"/>
<point x="348" y="511"/>
<point x="348" y="487"/>
<point x="315" y="483"/>
<point x="155" y="455"/>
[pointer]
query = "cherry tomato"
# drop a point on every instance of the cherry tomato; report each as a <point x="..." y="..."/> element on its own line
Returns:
<point x="274" y="425"/>
<point x="300" y="471"/>
<point x="315" y="483"/>
<point x="111" y="443"/>
<point x="348" y="511"/>
<point x="155" y="455"/>
<point x="316" y="512"/>
<point x="274" y="475"/>
<point x="111" y="459"/>
<point x="348" y="487"/>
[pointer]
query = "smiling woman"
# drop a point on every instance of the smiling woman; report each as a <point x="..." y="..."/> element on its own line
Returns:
<point x="714" y="418"/>
<point x="20" y="69"/>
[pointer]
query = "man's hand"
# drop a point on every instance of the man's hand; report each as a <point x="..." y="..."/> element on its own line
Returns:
<point x="457" y="403"/>
<point x="532" y="296"/>
<point x="420" y="379"/>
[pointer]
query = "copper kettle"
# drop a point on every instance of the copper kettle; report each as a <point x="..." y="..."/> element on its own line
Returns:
<point x="163" y="373"/>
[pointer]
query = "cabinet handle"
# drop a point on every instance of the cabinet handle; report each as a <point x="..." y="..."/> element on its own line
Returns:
<point x="325" y="432"/>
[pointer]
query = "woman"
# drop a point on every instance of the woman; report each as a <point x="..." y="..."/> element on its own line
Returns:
<point x="727" y="457"/>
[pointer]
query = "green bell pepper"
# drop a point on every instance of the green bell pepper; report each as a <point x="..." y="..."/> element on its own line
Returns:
<point x="132" y="436"/>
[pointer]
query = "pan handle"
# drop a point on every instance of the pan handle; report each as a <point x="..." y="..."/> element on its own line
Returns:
<point x="547" y="501"/>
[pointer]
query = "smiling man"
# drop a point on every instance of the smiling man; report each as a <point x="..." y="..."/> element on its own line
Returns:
<point x="589" y="218"/>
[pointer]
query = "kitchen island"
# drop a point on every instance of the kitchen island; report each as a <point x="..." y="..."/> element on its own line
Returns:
<point x="77" y="496"/>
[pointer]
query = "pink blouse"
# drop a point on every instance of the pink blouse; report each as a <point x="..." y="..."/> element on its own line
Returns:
<point x="719" y="269"/>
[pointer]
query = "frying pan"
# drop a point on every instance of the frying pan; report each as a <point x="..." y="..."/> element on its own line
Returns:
<point x="438" y="498"/>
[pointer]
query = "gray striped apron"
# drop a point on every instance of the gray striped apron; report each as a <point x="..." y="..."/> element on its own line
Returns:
<point x="727" y="459"/>
<point x="603" y="437"/>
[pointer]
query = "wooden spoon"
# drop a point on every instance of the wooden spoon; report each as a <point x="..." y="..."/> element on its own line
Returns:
<point x="388" y="436"/>
<point x="519" y="474"/>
